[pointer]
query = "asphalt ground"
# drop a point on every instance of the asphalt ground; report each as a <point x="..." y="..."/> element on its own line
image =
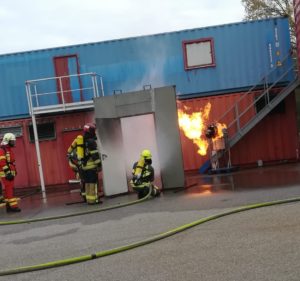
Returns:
<point x="259" y="244"/>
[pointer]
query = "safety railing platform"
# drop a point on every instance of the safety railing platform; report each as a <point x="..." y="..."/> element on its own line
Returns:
<point x="63" y="93"/>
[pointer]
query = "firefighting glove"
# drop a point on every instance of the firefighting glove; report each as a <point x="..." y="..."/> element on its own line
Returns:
<point x="136" y="180"/>
<point x="9" y="176"/>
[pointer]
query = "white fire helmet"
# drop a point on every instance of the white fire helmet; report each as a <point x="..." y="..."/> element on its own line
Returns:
<point x="8" y="137"/>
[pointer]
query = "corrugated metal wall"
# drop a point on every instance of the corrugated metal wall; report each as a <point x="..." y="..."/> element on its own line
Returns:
<point x="243" y="55"/>
<point x="53" y="152"/>
<point x="275" y="138"/>
<point x="297" y="27"/>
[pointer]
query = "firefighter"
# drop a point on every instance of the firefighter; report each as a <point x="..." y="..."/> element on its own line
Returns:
<point x="143" y="176"/>
<point x="8" y="171"/>
<point x="84" y="157"/>
<point x="75" y="155"/>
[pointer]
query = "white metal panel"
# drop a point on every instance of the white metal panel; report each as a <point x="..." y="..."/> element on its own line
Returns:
<point x="199" y="54"/>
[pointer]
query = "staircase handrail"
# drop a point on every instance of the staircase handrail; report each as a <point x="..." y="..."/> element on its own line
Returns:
<point x="261" y="82"/>
<point x="261" y="96"/>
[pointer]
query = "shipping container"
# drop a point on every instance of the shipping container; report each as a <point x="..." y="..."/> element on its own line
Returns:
<point x="216" y="64"/>
<point x="274" y="139"/>
<point x="56" y="133"/>
<point x="199" y="62"/>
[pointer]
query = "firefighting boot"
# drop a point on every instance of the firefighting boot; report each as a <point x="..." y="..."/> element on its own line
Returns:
<point x="155" y="192"/>
<point x="10" y="209"/>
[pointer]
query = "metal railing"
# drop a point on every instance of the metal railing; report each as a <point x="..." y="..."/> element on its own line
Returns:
<point x="55" y="94"/>
<point x="259" y="100"/>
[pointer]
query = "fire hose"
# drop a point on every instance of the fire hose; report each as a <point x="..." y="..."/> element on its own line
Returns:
<point x="120" y="249"/>
<point x="77" y="213"/>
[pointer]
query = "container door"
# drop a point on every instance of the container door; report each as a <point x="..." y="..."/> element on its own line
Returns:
<point x="22" y="178"/>
<point x="113" y="161"/>
<point x="68" y="87"/>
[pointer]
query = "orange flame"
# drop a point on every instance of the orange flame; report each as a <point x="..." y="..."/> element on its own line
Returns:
<point x="194" y="126"/>
<point x="220" y="128"/>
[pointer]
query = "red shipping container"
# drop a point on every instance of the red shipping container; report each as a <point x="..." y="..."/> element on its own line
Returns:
<point x="274" y="138"/>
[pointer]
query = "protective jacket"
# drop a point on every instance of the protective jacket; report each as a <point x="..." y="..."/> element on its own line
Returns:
<point x="7" y="161"/>
<point x="146" y="177"/>
<point x="142" y="178"/>
<point x="91" y="159"/>
<point x="84" y="154"/>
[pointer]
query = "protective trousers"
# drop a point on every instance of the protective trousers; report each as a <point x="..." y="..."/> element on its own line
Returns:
<point x="9" y="193"/>
<point x="91" y="191"/>
<point x="143" y="190"/>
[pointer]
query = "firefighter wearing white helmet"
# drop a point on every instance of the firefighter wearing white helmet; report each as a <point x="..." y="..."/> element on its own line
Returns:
<point x="8" y="171"/>
<point x="143" y="176"/>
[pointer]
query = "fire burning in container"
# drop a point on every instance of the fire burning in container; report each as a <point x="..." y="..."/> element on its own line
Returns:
<point x="194" y="127"/>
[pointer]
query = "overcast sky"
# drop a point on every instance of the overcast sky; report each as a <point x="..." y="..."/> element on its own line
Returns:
<point x="38" y="24"/>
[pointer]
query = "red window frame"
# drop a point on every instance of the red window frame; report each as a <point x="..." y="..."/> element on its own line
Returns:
<point x="187" y="42"/>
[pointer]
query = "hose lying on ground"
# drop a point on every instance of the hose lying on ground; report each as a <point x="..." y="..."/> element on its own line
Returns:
<point x="139" y="243"/>
<point x="78" y="213"/>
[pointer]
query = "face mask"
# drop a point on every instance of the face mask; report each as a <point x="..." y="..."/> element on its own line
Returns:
<point x="11" y="143"/>
<point x="148" y="161"/>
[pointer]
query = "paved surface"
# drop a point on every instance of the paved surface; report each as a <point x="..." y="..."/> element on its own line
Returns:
<point x="260" y="244"/>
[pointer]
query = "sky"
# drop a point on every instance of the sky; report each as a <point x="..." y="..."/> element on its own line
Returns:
<point x="27" y="25"/>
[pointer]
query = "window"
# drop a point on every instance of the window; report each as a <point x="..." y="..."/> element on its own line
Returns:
<point x="262" y="102"/>
<point x="46" y="131"/>
<point x="198" y="53"/>
<point x="16" y="130"/>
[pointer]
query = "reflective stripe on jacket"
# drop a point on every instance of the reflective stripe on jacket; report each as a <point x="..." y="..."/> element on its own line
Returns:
<point x="147" y="175"/>
<point x="7" y="161"/>
<point x="91" y="155"/>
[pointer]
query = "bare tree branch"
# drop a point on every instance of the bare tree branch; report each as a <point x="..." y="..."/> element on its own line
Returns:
<point x="262" y="9"/>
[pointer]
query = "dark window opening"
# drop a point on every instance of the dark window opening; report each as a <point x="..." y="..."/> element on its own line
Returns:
<point x="16" y="130"/>
<point x="263" y="101"/>
<point x="46" y="131"/>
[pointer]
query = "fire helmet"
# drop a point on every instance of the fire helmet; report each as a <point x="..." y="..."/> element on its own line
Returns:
<point x="8" y="137"/>
<point x="89" y="129"/>
<point x="146" y="154"/>
<point x="211" y="131"/>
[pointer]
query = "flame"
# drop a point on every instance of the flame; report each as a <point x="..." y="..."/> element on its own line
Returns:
<point x="220" y="128"/>
<point x="194" y="126"/>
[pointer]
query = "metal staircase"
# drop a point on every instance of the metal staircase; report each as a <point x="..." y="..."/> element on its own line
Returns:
<point x="260" y="100"/>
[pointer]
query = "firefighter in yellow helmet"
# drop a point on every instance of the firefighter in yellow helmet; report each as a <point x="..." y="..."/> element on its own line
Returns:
<point x="84" y="159"/>
<point x="143" y="176"/>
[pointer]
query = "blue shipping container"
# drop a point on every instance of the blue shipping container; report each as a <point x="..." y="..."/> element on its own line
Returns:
<point x="199" y="62"/>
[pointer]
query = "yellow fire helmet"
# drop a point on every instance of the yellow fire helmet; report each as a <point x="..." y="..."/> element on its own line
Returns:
<point x="146" y="154"/>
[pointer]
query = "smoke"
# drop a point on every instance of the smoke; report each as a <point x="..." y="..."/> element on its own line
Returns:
<point x="152" y="62"/>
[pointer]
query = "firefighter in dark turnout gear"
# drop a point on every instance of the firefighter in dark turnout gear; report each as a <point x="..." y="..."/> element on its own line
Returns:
<point x="8" y="171"/>
<point x="143" y="176"/>
<point x="84" y="159"/>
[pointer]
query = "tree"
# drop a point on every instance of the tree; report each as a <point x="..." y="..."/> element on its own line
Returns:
<point x="262" y="9"/>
